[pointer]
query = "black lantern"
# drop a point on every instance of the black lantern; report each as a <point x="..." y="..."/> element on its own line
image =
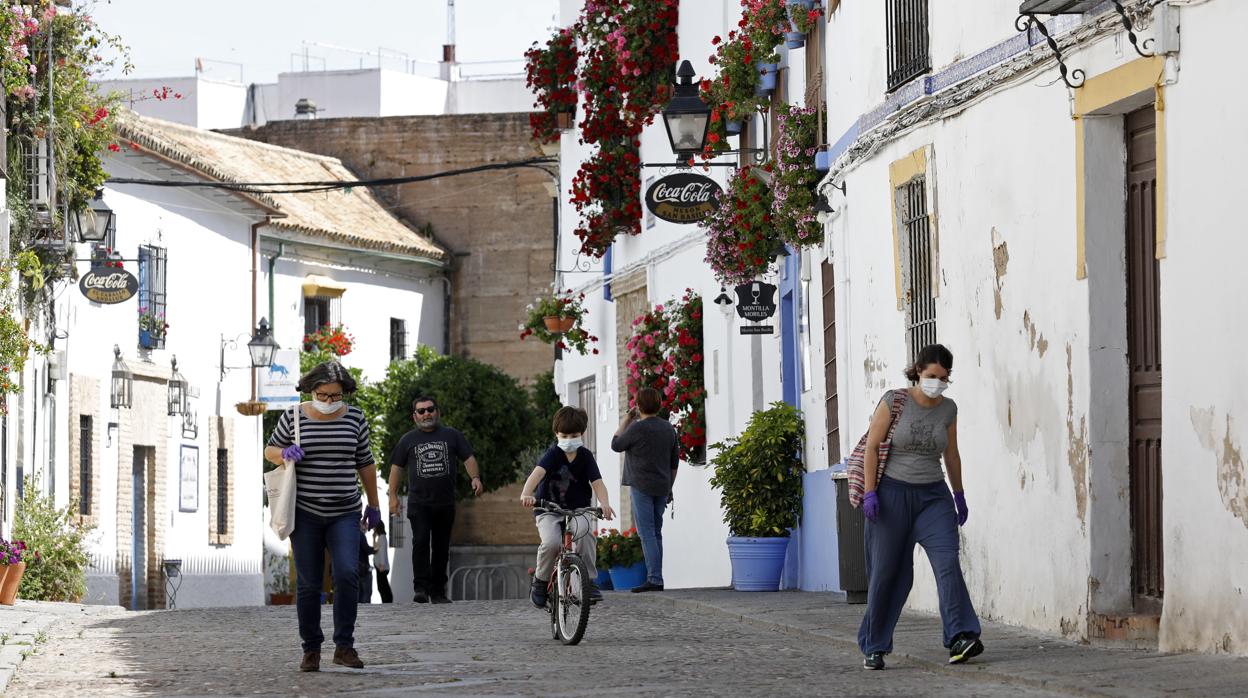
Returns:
<point x="95" y="220"/>
<point x="177" y="391"/>
<point x="262" y="346"/>
<point x="122" y="391"/>
<point x="686" y="116"/>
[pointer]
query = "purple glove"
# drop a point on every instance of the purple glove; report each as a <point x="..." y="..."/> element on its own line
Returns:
<point x="959" y="501"/>
<point x="871" y="506"/>
<point x="372" y="517"/>
<point x="292" y="453"/>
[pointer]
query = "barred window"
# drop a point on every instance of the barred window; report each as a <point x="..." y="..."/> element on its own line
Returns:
<point x="152" y="318"/>
<point x="84" y="465"/>
<point x="908" y="55"/>
<point x="223" y="491"/>
<point x="917" y="276"/>
<point x="398" y="339"/>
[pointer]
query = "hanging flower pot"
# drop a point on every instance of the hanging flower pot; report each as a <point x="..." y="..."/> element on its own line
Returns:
<point x="145" y="339"/>
<point x="794" y="39"/>
<point x="733" y="127"/>
<point x="799" y="13"/>
<point x="767" y="73"/>
<point x="823" y="161"/>
<point x="553" y="323"/>
<point x="566" y="323"/>
<point x="251" y="408"/>
<point x="565" y="120"/>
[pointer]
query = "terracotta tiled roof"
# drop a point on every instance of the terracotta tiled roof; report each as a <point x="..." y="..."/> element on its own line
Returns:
<point x="351" y="217"/>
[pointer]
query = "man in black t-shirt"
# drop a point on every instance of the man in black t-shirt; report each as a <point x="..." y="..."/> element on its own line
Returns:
<point x="429" y="455"/>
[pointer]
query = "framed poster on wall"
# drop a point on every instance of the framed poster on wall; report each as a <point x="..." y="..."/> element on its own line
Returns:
<point x="188" y="479"/>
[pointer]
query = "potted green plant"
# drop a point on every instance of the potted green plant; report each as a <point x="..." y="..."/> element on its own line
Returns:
<point x="759" y="476"/>
<point x="280" y="593"/>
<point x="13" y="556"/>
<point x="152" y="328"/>
<point x="558" y="318"/>
<point x="623" y="556"/>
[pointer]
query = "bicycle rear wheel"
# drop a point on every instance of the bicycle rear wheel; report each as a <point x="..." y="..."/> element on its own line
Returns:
<point x="572" y="604"/>
<point x="552" y="607"/>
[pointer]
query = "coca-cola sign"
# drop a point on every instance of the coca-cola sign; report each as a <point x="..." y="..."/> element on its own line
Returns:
<point x="684" y="197"/>
<point x="108" y="285"/>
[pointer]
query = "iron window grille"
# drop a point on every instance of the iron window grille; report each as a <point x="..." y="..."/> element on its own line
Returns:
<point x="398" y="339"/>
<point x="84" y="465"/>
<point x="908" y="55"/>
<point x="152" y="277"/>
<point x="916" y="248"/>
<point x="320" y="312"/>
<point x="223" y="490"/>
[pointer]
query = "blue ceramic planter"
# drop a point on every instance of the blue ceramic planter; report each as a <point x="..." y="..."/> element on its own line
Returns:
<point x="794" y="39"/>
<point x="145" y="339"/>
<point x="625" y="578"/>
<point x="732" y="127"/>
<point x="603" y="580"/>
<point x="757" y="563"/>
<point x="767" y="73"/>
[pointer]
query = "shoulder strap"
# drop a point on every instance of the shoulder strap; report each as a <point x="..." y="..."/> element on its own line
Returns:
<point x="294" y="414"/>
<point x="899" y="401"/>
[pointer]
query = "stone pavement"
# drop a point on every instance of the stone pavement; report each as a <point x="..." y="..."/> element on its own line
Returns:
<point x="1012" y="656"/>
<point x="24" y="628"/>
<point x="634" y="646"/>
<point x="700" y="642"/>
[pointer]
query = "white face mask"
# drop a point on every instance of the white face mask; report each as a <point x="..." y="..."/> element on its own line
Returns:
<point x="326" y="408"/>
<point x="933" y="387"/>
<point x="571" y="445"/>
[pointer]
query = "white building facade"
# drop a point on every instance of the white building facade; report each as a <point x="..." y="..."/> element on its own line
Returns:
<point x="159" y="486"/>
<point x="1060" y="240"/>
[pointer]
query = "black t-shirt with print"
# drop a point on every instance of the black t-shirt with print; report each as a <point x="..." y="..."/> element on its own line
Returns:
<point x="567" y="483"/>
<point x="431" y="460"/>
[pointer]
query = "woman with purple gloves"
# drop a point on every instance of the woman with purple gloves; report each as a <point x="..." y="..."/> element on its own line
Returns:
<point x="333" y="451"/>
<point x="911" y="504"/>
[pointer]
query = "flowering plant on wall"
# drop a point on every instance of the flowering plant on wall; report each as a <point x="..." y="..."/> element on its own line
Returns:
<point x="804" y="18"/>
<point x="550" y="72"/>
<point x="664" y="352"/>
<point x="153" y="322"/>
<point x="606" y="192"/>
<point x="331" y="340"/>
<point x="793" y="204"/>
<point x="741" y="238"/>
<point x="567" y="311"/>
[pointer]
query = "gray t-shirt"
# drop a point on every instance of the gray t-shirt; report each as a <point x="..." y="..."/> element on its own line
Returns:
<point x="919" y="441"/>
<point x="650" y="453"/>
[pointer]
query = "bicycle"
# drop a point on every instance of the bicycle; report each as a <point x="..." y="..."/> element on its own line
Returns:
<point x="568" y="589"/>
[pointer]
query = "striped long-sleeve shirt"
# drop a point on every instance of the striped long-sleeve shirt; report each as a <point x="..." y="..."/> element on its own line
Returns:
<point x="334" y="450"/>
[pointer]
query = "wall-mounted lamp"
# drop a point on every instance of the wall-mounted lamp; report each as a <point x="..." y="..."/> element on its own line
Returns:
<point x="121" y="392"/>
<point x="177" y="391"/>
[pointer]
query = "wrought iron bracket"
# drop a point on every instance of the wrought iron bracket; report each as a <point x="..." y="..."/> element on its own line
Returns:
<point x="758" y="155"/>
<point x="1140" y="48"/>
<point x="579" y="265"/>
<point x="1074" y="79"/>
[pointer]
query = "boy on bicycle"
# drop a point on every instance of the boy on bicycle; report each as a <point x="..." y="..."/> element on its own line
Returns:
<point x="568" y="476"/>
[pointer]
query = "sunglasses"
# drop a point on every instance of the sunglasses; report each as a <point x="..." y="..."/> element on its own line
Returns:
<point x="426" y="410"/>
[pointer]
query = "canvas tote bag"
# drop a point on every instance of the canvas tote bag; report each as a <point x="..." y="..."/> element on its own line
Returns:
<point x="279" y="484"/>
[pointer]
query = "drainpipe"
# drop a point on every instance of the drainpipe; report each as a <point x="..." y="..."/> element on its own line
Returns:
<point x="255" y="250"/>
<point x="281" y="249"/>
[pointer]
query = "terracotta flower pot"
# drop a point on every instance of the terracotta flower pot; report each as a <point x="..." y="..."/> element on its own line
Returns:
<point x="566" y="323"/>
<point x="12" y="579"/>
<point x="281" y="599"/>
<point x="565" y="120"/>
<point x="552" y="323"/>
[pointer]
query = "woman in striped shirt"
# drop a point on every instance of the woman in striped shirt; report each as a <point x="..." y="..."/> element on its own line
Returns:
<point x="333" y="450"/>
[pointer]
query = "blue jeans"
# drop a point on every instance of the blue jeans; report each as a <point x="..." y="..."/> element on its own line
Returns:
<point x="312" y="535"/>
<point x="910" y="514"/>
<point x="648" y="516"/>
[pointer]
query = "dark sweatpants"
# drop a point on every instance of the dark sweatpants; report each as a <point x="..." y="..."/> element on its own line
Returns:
<point x="431" y="545"/>
<point x="910" y="514"/>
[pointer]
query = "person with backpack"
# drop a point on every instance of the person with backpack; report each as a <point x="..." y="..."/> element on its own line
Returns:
<point x="909" y="503"/>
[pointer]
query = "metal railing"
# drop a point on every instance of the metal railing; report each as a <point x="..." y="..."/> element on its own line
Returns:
<point x="908" y="55"/>
<point x="502" y="582"/>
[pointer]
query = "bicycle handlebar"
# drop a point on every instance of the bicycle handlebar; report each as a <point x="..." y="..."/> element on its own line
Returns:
<point x="556" y="509"/>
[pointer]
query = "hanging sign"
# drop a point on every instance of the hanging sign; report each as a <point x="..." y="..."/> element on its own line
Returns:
<point x="279" y="383"/>
<point x="758" y="329"/>
<point x="108" y="285"/>
<point x="683" y="197"/>
<point x="756" y="301"/>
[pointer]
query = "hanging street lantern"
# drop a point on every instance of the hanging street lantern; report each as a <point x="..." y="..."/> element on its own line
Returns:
<point x="95" y="220"/>
<point x="262" y="347"/>
<point x="686" y="116"/>
<point x="177" y="391"/>
<point x="121" y="393"/>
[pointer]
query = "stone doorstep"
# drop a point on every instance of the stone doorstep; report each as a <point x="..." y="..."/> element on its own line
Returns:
<point x="1131" y="630"/>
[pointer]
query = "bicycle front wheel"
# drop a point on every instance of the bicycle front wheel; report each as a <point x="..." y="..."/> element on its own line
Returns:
<point x="572" y="604"/>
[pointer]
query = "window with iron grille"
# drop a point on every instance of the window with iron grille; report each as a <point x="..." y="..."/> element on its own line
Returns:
<point x="907" y="41"/>
<point x="320" y="312"/>
<point x="84" y="465"/>
<point x="398" y="339"/>
<point x="916" y="265"/>
<point x="152" y="310"/>
<point x="223" y="491"/>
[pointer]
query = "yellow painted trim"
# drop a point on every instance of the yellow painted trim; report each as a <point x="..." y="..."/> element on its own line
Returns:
<point x="316" y="285"/>
<point x="1100" y="94"/>
<point x="899" y="173"/>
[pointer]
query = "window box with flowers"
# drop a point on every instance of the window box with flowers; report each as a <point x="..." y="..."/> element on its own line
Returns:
<point x="742" y="239"/>
<point x="796" y="178"/>
<point x="550" y="72"/>
<point x="334" y="341"/>
<point x="558" y="319"/>
<point x="152" y="329"/>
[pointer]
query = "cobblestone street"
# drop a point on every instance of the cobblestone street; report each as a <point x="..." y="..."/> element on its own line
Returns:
<point x="633" y="647"/>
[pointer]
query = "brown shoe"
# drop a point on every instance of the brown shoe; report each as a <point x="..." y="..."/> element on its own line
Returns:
<point x="347" y="657"/>
<point x="311" y="661"/>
